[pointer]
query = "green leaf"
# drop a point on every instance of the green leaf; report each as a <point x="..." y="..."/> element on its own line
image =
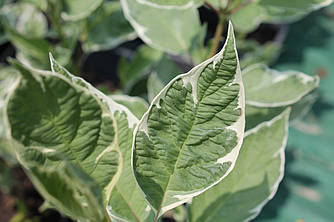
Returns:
<point x="172" y="4"/>
<point x="248" y="18"/>
<point x="41" y="4"/>
<point x="170" y="30"/>
<point x="265" y="87"/>
<point x="74" y="10"/>
<point x="254" y="179"/>
<point x="141" y="64"/>
<point x="8" y="79"/>
<point x="63" y="184"/>
<point x="257" y="115"/>
<point x="65" y="116"/>
<point x="136" y="105"/>
<point x="107" y="28"/>
<point x="218" y="3"/>
<point x="266" y="53"/>
<point x="189" y="139"/>
<point x="126" y="202"/>
<point x="26" y="19"/>
<point x="273" y="11"/>
<point x="161" y="75"/>
<point x="30" y="49"/>
<point x="154" y="86"/>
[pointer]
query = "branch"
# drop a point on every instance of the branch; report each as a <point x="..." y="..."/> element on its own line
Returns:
<point x="210" y="6"/>
<point x="218" y="34"/>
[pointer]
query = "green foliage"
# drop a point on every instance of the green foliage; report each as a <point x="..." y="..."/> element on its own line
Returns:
<point x="171" y="30"/>
<point x="249" y="187"/>
<point x="200" y="109"/>
<point x="210" y="142"/>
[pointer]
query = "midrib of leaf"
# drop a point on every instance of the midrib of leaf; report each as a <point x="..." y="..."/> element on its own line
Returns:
<point x="129" y="205"/>
<point x="188" y="134"/>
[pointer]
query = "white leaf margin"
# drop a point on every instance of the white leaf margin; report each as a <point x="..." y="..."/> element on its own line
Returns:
<point x="278" y="77"/>
<point x="141" y="30"/>
<point x="190" y="4"/>
<point x="112" y="105"/>
<point x="285" y="114"/>
<point x="239" y="126"/>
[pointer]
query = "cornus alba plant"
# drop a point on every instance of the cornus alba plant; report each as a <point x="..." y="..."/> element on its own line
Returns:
<point x="100" y="158"/>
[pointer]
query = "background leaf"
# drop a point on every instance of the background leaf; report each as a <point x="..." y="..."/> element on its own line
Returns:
<point x="254" y="180"/>
<point x="169" y="30"/>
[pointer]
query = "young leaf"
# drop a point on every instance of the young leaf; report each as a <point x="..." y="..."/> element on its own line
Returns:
<point x="171" y="30"/>
<point x="136" y="105"/>
<point x="125" y="202"/>
<point x="254" y="179"/>
<point x="190" y="137"/>
<point x="269" y="88"/>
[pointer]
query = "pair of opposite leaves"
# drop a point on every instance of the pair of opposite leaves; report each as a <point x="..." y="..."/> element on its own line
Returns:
<point x="75" y="142"/>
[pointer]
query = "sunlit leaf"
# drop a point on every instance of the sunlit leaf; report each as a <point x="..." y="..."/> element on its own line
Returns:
<point x="189" y="139"/>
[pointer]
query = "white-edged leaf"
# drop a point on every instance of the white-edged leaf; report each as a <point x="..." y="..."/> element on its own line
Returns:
<point x="62" y="184"/>
<point x="65" y="116"/>
<point x="125" y="201"/>
<point x="190" y="137"/>
<point x="172" y="4"/>
<point x="171" y="30"/>
<point x="273" y="11"/>
<point x="265" y="87"/>
<point x="256" y="115"/>
<point x="26" y="19"/>
<point x="254" y="179"/>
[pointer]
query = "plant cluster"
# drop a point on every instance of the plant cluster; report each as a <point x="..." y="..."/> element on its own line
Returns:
<point x="208" y="144"/>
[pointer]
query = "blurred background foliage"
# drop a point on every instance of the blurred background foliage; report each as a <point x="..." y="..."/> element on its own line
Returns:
<point x="94" y="39"/>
